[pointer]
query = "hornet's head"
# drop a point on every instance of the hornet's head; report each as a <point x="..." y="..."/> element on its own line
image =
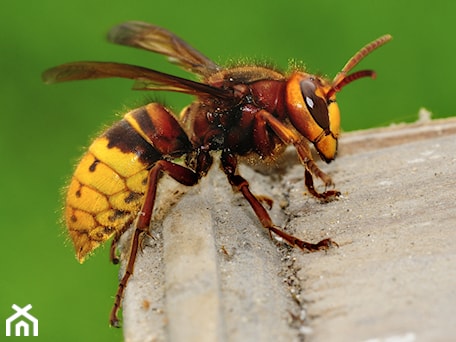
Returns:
<point x="311" y="102"/>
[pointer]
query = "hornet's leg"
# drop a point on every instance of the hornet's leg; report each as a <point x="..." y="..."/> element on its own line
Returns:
<point x="181" y="174"/>
<point x="112" y="251"/>
<point x="229" y="164"/>
<point x="290" y="137"/>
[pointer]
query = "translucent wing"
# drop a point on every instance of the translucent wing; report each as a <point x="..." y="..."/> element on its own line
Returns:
<point x="146" y="79"/>
<point x="156" y="39"/>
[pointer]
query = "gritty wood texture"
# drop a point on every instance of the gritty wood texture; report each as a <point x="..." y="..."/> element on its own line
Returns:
<point x="212" y="273"/>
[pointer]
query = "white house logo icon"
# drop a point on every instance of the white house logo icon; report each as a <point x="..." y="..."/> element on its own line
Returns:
<point x="21" y="324"/>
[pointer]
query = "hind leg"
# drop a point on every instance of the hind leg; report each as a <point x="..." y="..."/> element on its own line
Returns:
<point x="181" y="174"/>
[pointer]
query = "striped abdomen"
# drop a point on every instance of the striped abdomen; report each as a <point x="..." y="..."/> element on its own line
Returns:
<point x="108" y="186"/>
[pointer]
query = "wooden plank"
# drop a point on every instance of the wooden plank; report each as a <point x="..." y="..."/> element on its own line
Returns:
<point x="392" y="276"/>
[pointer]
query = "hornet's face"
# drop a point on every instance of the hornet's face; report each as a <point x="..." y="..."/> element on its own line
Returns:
<point x="314" y="115"/>
<point x="311" y="101"/>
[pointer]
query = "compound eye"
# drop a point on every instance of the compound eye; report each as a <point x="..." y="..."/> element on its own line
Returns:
<point x="316" y="106"/>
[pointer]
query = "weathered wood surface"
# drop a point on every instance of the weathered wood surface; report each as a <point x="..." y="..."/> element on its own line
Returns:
<point x="213" y="274"/>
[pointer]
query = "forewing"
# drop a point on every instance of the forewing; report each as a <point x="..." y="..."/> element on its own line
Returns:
<point x="146" y="79"/>
<point x="156" y="39"/>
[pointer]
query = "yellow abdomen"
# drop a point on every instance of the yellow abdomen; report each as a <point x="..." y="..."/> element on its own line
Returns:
<point x="104" y="196"/>
<point x="107" y="190"/>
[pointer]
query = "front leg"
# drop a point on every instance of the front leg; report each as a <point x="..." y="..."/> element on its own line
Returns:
<point x="289" y="136"/>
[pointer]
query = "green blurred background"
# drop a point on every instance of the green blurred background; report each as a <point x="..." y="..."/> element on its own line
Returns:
<point x="44" y="128"/>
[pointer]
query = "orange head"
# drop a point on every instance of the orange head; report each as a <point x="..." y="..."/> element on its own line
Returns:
<point x="311" y="102"/>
